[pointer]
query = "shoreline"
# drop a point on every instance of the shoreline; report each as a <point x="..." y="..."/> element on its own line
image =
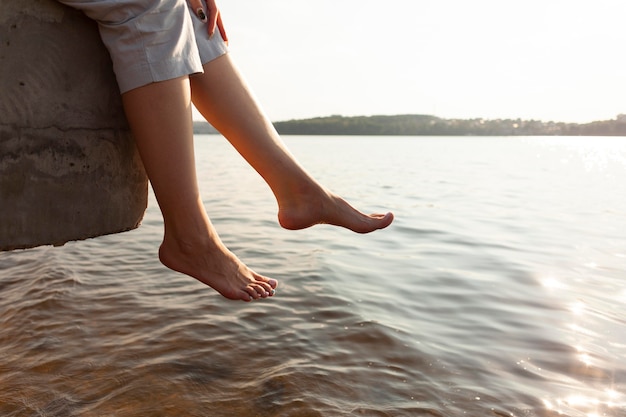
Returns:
<point x="425" y="125"/>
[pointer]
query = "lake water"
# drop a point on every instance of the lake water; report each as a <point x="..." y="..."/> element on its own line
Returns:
<point x="499" y="290"/>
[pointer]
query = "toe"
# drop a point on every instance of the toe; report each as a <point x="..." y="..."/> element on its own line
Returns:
<point x="386" y="220"/>
<point x="267" y="288"/>
<point x="259" y="291"/>
<point x="252" y="292"/>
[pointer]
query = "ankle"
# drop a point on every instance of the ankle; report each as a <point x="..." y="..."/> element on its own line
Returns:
<point x="191" y="244"/>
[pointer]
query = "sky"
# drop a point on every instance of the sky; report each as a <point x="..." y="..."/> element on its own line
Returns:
<point x="537" y="59"/>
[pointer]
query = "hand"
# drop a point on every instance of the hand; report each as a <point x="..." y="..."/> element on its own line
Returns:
<point x="214" y="18"/>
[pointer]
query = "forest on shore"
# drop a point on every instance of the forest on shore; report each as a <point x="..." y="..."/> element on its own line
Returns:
<point x="425" y="125"/>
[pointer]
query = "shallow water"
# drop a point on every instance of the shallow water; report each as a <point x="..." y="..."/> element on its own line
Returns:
<point x="499" y="290"/>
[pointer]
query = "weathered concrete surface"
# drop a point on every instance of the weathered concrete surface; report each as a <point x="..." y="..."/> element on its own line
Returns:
<point x="69" y="169"/>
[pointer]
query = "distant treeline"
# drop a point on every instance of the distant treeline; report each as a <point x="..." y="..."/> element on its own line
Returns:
<point x="424" y="125"/>
<point x="203" y="128"/>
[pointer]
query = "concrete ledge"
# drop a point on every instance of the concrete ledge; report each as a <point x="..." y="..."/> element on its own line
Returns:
<point x="69" y="168"/>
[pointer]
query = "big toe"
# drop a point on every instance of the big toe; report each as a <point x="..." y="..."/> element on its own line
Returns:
<point x="386" y="220"/>
<point x="373" y="222"/>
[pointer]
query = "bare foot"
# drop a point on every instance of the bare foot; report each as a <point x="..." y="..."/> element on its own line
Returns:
<point x="217" y="267"/>
<point x="323" y="207"/>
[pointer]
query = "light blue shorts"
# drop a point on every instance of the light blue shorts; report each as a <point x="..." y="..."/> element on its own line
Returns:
<point x="151" y="40"/>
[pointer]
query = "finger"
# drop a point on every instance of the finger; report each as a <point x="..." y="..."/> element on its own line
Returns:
<point x="198" y="8"/>
<point x="220" y="26"/>
<point x="201" y="15"/>
<point x="212" y="20"/>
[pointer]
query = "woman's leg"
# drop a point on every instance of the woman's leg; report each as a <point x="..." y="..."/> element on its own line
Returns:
<point x="160" y="118"/>
<point x="223" y="98"/>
